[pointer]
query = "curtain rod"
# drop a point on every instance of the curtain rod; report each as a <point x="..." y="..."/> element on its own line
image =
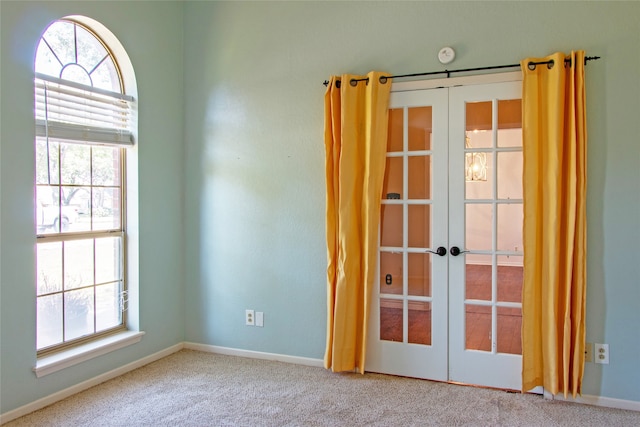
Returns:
<point x="532" y="66"/>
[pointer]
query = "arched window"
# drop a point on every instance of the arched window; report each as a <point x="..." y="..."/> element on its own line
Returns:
<point x="84" y="127"/>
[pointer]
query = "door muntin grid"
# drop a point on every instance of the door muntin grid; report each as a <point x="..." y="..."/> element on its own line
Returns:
<point x="406" y="222"/>
<point x="493" y="227"/>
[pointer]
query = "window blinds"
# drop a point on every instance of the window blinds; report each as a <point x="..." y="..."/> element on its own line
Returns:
<point x="77" y="113"/>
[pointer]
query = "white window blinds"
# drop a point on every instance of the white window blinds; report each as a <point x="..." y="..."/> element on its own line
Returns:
<point x="77" y="113"/>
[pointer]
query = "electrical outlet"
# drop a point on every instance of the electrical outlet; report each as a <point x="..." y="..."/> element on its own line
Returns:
<point x="249" y="318"/>
<point x="259" y="318"/>
<point x="602" y="353"/>
<point x="588" y="352"/>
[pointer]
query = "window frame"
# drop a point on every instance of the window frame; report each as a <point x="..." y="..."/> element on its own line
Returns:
<point x="62" y="236"/>
<point x="121" y="231"/>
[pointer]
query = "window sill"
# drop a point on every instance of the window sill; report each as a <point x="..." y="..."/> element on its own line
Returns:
<point x="65" y="359"/>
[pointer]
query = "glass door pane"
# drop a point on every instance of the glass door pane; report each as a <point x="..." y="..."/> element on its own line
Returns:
<point x="419" y="271"/>
<point x="419" y="323"/>
<point x="405" y="233"/>
<point x="493" y="224"/>
<point x="391" y="320"/>
<point x="508" y="267"/>
<point x="420" y="128"/>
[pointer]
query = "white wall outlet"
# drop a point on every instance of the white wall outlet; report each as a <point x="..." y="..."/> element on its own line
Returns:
<point x="259" y="318"/>
<point x="249" y="318"/>
<point x="588" y="352"/>
<point x="602" y="353"/>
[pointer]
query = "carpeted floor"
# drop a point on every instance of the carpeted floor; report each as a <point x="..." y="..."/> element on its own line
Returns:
<point x="191" y="388"/>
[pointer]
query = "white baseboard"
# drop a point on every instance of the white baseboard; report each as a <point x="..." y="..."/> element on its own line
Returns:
<point x="63" y="394"/>
<point x="297" y="360"/>
<point x="608" y="402"/>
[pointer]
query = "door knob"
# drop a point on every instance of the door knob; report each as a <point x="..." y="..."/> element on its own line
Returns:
<point x="442" y="251"/>
<point x="455" y="251"/>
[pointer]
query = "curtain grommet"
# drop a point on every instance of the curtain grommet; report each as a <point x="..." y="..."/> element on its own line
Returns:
<point x="353" y="82"/>
<point x="531" y="66"/>
<point x="383" y="79"/>
<point x="550" y="64"/>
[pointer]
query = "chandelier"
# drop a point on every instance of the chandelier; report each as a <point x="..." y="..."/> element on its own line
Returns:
<point x="475" y="167"/>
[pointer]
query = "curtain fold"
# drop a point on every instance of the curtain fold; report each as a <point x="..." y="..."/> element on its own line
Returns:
<point x="355" y="158"/>
<point x="554" y="230"/>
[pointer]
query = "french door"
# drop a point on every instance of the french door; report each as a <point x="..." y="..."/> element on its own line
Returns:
<point x="447" y="297"/>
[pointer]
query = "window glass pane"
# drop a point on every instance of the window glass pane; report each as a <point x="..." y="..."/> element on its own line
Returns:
<point x="76" y="73"/>
<point x="391" y="320"/>
<point x="108" y="256"/>
<point x="47" y="209"/>
<point x="108" y="314"/>
<point x="419" y="177"/>
<point x="47" y="171"/>
<point x="419" y="226"/>
<point x="78" y="263"/>
<point x="419" y="128"/>
<point x="75" y="164"/>
<point x="78" y="313"/>
<point x="419" y="322"/>
<point x="60" y="36"/>
<point x="74" y="201"/>
<point x="419" y="265"/>
<point x="394" y="138"/>
<point x="106" y="166"/>
<point x="391" y="226"/>
<point x="49" y="267"/>
<point x="106" y="76"/>
<point x="46" y="62"/>
<point x="510" y="227"/>
<point x="106" y="208"/>
<point x="90" y="50"/>
<point x="49" y="319"/>
<point x="478" y="226"/>
<point x="477" y="327"/>
<point x="510" y="175"/>
<point x="392" y="184"/>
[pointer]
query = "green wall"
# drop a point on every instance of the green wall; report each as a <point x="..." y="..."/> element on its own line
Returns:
<point x="255" y="156"/>
<point x="152" y="35"/>
<point x="231" y="162"/>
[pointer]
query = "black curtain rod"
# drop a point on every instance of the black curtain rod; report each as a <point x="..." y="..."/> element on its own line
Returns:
<point x="532" y="66"/>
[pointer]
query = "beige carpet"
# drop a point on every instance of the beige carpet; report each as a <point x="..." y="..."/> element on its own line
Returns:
<point x="191" y="388"/>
